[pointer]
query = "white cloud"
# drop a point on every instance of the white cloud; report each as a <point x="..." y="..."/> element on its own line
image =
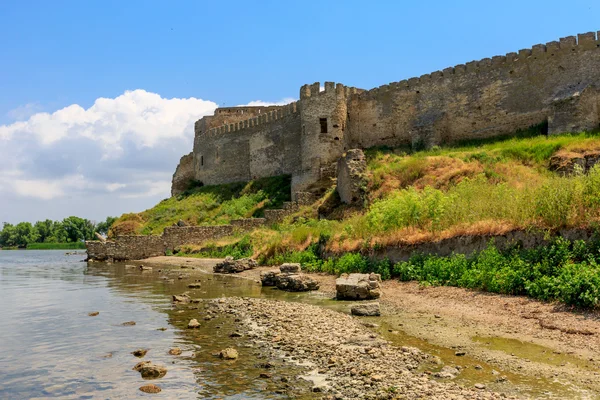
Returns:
<point x="111" y="187"/>
<point x="24" y="112"/>
<point x="260" y="103"/>
<point x="117" y="153"/>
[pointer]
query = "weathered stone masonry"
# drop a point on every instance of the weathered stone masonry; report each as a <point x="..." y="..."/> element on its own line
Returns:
<point x="556" y="83"/>
<point x="137" y="247"/>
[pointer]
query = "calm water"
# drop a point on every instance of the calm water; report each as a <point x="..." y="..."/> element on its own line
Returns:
<point x="51" y="348"/>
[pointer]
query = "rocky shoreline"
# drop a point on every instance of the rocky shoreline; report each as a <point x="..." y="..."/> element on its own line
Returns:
<point x="342" y="357"/>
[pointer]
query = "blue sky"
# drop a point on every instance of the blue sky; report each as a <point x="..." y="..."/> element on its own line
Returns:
<point x="55" y="55"/>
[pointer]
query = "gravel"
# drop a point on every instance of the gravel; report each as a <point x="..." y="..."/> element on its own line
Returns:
<point x="342" y="358"/>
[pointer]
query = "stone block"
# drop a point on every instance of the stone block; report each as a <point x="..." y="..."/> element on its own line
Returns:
<point x="358" y="286"/>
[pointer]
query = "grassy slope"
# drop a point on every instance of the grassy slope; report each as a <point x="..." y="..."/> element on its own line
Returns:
<point x="208" y="205"/>
<point x="475" y="189"/>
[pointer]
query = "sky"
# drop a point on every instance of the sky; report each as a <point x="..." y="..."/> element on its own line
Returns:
<point x="98" y="98"/>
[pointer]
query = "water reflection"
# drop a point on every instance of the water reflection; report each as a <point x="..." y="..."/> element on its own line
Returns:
<point x="50" y="347"/>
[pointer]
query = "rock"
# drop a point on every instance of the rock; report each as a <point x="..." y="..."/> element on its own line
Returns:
<point x="264" y="375"/>
<point x="175" y="351"/>
<point x="150" y="389"/>
<point x="128" y="323"/>
<point x="460" y="353"/>
<point x="184" y="298"/>
<point x="290" y="268"/>
<point x="368" y="309"/>
<point x="231" y="266"/>
<point x="479" y="386"/>
<point x="228" y="354"/>
<point x="93" y="313"/>
<point x="296" y="283"/>
<point x="235" y="334"/>
<point x="352" y="177"/>
<point x="269" y="278"/>
<point x="144" y="268"/>
<point x="194" y="286"/>
<point x="181" y="223"/>
<point x="139" y="352"/>
<point x="447" y="372"/>
<point x="193" y="324"/>
<point x="161" y="329"/>
<point x="358" y="286"/>
<point x="148" y="370"/>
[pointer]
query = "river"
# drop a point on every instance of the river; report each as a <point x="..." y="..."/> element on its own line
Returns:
<point x="51" y="348"/>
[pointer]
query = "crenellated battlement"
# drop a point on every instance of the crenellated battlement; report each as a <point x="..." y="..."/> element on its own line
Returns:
<point x="555" y="86"/>
<point x="312" y="90"/>
<point x="570" y="44"/>
<point x="263" y="118"/>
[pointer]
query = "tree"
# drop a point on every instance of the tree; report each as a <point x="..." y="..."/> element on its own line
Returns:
<point x="24" y="234"/>
<point x="7" y="235"/>
<point x="103" y="227"/>
<point x="45" y="230"/>
<point x="78" y="229"/>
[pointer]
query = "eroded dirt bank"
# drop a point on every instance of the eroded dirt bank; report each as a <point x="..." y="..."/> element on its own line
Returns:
<point x="512" y="345"/>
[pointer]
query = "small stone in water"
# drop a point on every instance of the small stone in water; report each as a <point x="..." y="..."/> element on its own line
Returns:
<point x="94" y="313"/>
<point x="150" y="389"/>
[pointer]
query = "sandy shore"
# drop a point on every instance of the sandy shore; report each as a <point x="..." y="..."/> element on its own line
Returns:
<point x="515" y="335"/>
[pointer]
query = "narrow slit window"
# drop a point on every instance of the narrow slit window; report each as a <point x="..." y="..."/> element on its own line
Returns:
<point x="323" y="122"/>
<point x="201" y="161"/>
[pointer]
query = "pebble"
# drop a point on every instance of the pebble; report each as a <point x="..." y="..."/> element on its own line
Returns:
<point x="354" y="362"/>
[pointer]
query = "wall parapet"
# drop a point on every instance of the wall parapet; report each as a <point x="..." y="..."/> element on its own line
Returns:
<point x="570" y="44"/>
<point x="262" y="119"/>
<point x="313" y="90"/>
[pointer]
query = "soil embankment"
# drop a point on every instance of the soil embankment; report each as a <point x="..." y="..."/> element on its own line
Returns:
<point x="510" y="344"/>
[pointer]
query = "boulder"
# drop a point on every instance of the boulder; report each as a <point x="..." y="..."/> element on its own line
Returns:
<point x="231" y="266"/>
<point x="289" y="278"/>
<point x="296" y="283"/>
<point x="358" y="286"/>
<point x="368" y="310"/>
<point x="149" y="370"/>
<point x="184" y="298"/>
<point x="193" y="324"/>
<point x="290" y="268"/>
<point x="194" y="285"/>
<point x="139" y="352"/>
<point x="270" y="278"/>
<point x="175" y="351"/>
<point x="150" y="389"/>
<point x="228" y="354"/>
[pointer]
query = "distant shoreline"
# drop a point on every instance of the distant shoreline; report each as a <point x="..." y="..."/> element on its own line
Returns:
<point x="49" y="246"/>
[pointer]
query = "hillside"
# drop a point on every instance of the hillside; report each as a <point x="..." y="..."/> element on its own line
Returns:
<point x="207" y="205"/>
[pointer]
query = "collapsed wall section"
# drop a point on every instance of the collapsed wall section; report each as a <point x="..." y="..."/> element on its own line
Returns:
<point x="480" y="99"/>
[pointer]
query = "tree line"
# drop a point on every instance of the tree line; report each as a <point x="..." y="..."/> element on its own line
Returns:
<point x="69" y="230"/>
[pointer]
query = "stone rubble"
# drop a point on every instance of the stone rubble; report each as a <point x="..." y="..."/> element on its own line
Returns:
<point x="358" y="286"/>
<point x="367" y="310"/>
<point x="289" y="277"/>
<point x="231" y="266"/>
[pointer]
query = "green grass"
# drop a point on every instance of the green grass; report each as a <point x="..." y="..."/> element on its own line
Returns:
<point x="209" y="205"/>
<point x="56" y="246"/>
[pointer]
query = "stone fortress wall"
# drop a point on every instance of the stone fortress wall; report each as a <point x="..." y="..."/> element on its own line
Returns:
<point x="555" y="83"/>
<point x="137" y="247"/>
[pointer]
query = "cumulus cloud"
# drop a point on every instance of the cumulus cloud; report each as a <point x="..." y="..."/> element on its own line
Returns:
<point x="124" y="147"/>
<point x="257" y="103"/>
<point x="116" y="156"/>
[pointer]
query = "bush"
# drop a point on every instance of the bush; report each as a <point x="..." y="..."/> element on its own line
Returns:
<point x="562" y="270"/>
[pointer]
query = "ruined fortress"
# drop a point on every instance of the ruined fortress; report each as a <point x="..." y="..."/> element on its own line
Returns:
<point x="553" y="85"/>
